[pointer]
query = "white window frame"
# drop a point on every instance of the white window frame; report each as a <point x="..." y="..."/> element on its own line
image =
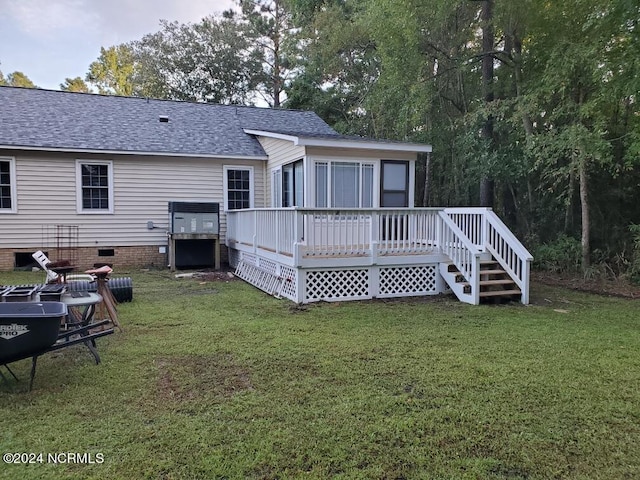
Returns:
<point x="328" y="161"/>
<point x="276" y="187"/>
<point x="225" y="183"/>
<point x="93" y="211"/>
<point x="12" y="185"/>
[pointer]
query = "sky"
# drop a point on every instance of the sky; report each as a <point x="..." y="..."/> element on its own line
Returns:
<point x="50" y="40"/>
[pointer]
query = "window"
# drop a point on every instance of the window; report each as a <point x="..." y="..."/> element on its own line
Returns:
<point x="293" y="185"/>
<point x="322" y="186"/>
<point x="7" y="185"/>
<point x="276" y="188"/>
<point x="95" y="187"/>
<point x="288" y="185"/>
<point x="395" y="184"/>
<point x="238" y="187"/>
<point x="344" y="185"/>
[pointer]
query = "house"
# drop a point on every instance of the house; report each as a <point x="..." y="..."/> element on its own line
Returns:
<point x="305" y="213"/>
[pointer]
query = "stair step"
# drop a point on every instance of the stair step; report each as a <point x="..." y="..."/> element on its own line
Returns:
<point x="500" y="293"/>
<point x="488" y="262"/>
<point x="492" y="272"/>
<point x="501" y="281"/>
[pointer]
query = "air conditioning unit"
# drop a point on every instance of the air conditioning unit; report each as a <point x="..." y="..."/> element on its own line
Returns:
<point x="194" y="217"/>
<point x="193" y="230"/>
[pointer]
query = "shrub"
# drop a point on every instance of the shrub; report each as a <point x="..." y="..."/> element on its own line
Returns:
<point x="561" y="255"/>
<point x="634" y="270"/>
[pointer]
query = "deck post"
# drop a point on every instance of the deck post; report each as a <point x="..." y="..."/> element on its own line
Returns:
<point x="374" y="236"/>
<point x="525" y="282"/>
<point x="300" y="285"/>
<point x="277" y="213"/>
<point x="475" y="279"/>
<point x="298" y="235"/>
<point x="255" y="232"/>
<point x="374" y="281"/>
<point x="485" y="229"/>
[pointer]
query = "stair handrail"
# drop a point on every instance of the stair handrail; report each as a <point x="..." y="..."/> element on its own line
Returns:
<point x="469" y="269"/>
<point x="519" y="267"/>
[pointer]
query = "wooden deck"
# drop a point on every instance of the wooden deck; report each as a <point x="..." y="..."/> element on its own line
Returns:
<point x="352" y="253"/>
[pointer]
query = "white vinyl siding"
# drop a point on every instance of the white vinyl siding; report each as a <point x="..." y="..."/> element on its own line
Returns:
<point x="142" y="188"/>
<point x="7" y="185"/>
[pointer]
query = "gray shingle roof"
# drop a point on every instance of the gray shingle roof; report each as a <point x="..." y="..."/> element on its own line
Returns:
<point x="35" y="118"/>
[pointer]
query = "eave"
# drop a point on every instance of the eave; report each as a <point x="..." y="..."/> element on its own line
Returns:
<point x="130" y="152"/>
<point x="365" y="144"/>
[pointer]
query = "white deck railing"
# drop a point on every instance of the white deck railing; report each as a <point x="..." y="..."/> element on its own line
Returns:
<point x="463" y="252"/>
<point x="302" y="232"/>
<point x="270" y="229"/>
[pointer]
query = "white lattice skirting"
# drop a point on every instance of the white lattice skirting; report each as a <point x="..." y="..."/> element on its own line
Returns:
<point x="267" y="275"/>
<point x="337" y="284"/>
<point x="371" y="282"/>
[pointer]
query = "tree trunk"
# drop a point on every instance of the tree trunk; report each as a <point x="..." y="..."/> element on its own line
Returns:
<point x="584" y="205"/>
<point x="568" y="213"/>
<point x="427" y="181"/>
<point x="487" y="184"/>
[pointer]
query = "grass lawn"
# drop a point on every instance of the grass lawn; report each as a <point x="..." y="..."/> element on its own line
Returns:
<point x="218" y="380"/>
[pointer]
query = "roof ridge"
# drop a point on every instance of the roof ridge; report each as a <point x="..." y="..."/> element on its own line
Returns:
<point x="155" y="99"/>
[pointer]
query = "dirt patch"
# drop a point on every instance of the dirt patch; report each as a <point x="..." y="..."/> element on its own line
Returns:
<point x="209" y="276"/>
<point x="216" y="276"/>
<point x="599" y="286"/>
<point x="190" y="377"/>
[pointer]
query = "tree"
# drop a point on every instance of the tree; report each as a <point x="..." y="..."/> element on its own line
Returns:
<point x="338" y="62"/>
<point x="17" y="79"/>
<point x="488" y="39"/>
<point x="113" y="72"/>
<point x="269" y="25"/>
<point x="74" y="85"/>
<point x="210" y="61"/>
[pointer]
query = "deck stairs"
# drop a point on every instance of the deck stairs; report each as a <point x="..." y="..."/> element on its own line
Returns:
<point x="486" y="261"/>
<point x="495" y="284"/>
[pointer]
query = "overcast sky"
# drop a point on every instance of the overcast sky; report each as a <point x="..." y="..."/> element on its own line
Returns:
<point x="50" y="40"/>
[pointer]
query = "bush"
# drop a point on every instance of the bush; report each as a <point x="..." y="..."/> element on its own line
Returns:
<point x="561" y="255"/>
<point x="634" y="270"/>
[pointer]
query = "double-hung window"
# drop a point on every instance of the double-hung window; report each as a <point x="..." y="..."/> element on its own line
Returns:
<point x="344" y="184"/>
<point x="7" y="185"/>
<point x="238" y="187"/>
<point x="94" y="180"/>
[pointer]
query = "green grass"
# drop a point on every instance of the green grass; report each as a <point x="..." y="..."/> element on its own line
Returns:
<point x="218" y="380"/>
